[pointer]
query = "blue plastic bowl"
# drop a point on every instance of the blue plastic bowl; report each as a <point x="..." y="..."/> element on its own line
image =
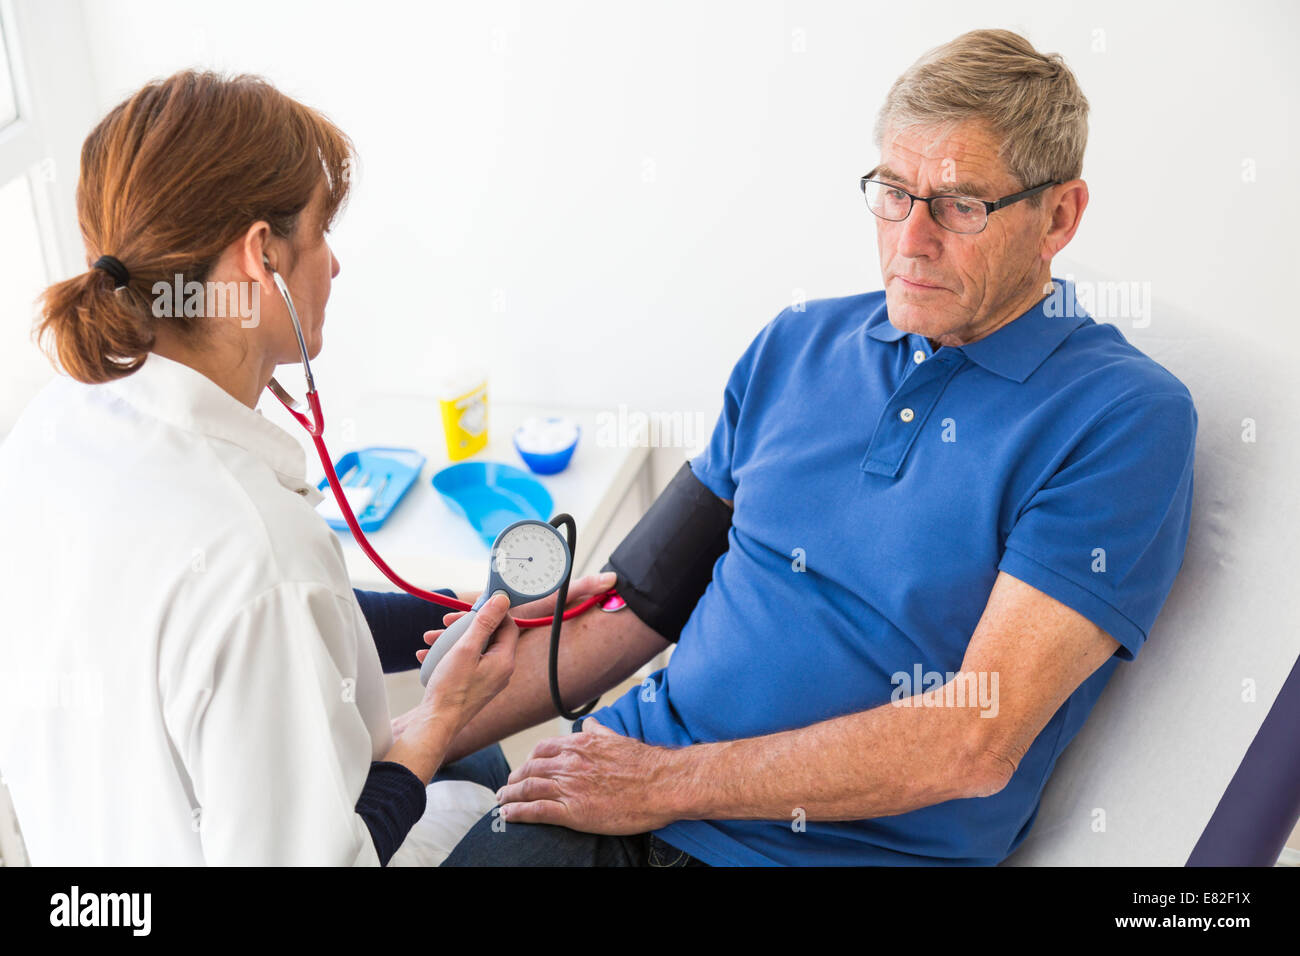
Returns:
<point x="491" y="494"/>
<point x="549" y="463"/>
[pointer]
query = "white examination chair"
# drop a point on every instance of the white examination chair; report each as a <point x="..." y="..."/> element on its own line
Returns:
<point x="1181" y="732"/>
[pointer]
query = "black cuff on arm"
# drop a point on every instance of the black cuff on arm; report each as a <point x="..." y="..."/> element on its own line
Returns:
<point x="391" y="802"/>
<point x="666" y="561"/>
<point x="398" y="621"/>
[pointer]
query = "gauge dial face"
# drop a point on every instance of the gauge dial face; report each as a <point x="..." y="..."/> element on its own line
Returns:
<point x="530" y="559"/>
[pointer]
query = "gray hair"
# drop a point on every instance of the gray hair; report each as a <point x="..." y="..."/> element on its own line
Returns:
<point x="1030" y="101"/>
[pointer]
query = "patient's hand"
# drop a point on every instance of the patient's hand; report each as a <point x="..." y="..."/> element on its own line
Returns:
<point x="597" y="781"/>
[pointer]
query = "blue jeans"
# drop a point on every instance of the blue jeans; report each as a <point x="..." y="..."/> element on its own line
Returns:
<point x="487" y="766"/>
<point x="542" y="844"/>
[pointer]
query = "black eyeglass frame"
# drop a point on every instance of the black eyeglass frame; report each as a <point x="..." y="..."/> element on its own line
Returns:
<point x="989" y="207"/>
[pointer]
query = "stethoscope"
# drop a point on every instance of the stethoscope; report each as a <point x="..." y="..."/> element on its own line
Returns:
<point x="529" y="559"/>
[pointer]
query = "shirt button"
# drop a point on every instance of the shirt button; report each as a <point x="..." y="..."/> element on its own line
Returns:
<point x="906" y="415"/>
<point x="918" y="356"/>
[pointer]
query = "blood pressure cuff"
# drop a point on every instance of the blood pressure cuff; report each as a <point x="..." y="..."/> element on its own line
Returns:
<point x="666" y="561"/>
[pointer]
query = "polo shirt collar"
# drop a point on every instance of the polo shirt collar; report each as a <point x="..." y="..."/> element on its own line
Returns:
<point x="186" y="398"/>
<point x="1019" y="347"/>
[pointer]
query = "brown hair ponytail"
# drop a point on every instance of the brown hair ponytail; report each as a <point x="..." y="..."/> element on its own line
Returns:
<point x="169" y="178"/>
<point x="98" y="333"/>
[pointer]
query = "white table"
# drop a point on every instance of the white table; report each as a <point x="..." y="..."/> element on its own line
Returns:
<point x="428" y="544"/>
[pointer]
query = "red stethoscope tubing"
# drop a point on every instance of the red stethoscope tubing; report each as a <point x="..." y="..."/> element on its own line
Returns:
<point x="315" y="428"/>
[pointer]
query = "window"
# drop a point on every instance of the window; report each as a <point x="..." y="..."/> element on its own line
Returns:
<point x="22" y="279"/>
<point x="23" y="272"/>
<point x="47" y="105"/>
<point x="8" y="105"/>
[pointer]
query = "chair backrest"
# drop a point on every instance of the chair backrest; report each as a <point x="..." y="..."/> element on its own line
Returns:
<point x="1141" y="780"/>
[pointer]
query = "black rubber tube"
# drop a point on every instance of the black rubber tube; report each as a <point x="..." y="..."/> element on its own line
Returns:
<point x="557" y="622"/>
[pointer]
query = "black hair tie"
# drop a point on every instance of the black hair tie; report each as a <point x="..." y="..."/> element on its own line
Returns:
<point x="115" y="269"/>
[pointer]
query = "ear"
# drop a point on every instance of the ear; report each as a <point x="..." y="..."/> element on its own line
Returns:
<point x="257" y="249"/>
<point x="1065" y="204"/>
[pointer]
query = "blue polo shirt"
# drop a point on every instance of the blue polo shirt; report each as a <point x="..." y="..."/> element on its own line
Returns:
<point x="879" y="487"/>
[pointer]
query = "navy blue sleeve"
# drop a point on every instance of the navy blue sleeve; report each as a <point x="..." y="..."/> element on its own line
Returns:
<point x="391" y="802"/>
<point x="397" y="622"/>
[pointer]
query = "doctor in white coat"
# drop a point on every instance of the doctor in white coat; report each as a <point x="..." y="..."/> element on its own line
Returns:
<point x="187" y="676"/>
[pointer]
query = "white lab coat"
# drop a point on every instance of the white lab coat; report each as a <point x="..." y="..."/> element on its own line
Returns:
<point x="186" y="675"/>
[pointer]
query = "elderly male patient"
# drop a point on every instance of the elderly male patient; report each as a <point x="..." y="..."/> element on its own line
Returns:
<point x="961" y="477"/>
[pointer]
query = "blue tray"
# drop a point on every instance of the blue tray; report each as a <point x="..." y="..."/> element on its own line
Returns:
<point x="490" y="495"/>
<point x="391" y="470"/>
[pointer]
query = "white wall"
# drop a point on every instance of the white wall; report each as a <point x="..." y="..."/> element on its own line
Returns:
<point x="639" y="186"/>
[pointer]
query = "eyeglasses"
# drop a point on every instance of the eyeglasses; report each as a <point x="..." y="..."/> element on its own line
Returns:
<point x="963" y="214"/>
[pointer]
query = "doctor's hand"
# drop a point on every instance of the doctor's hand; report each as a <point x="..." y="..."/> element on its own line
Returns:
<point x="597" y="781"/>
<point x="468" y="677"/>
<point x="459" y="687"/>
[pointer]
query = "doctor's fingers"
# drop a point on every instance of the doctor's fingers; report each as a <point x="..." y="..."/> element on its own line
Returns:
<point x="493" y="618"/>
<point x="505" y="640"/>
<point x="506" y="637"/>
<point x="493" y="612"/>
<point x="467" y="671"/>
<point x="448" y="619"/>
<point x="585" y="587"/>
<point x="452" y="616"/>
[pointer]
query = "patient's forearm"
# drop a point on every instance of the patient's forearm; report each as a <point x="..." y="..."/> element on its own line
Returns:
<point x="880" y="762"/>
<point x="597" y="651"/>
